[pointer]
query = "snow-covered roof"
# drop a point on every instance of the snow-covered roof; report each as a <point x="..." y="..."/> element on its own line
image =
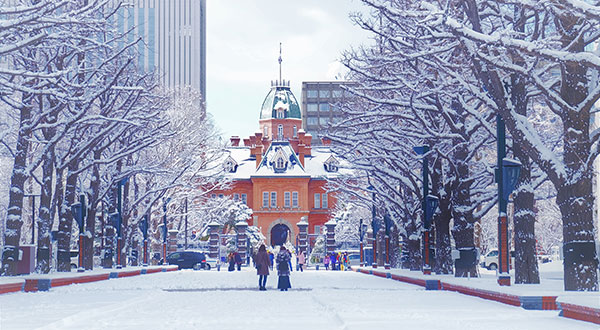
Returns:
<point x="313" y="165"/>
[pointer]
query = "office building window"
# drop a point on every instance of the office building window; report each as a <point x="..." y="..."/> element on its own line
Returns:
<point x="323" y="121"/>
<point x="312" y="107"/>
<point x="324" y="93"/>
<point x="324" y="107"/>
<point x="324" y="200"/>
<point x="273" y="199"/>
<point x="294" y="199"/>
<point x="245" y="199"/>
<point x="311" y="93"/>
<point x="265" y="199"/>
<point x="286" y="199"/>
<point x="337" y="93"/>
<point x="312" y="121"/>
<point x="317" y="201"/>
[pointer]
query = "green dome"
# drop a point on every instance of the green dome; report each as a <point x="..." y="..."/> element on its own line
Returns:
<point x="280" y="97"/>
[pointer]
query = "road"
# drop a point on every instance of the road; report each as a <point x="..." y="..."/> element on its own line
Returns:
<point x="222" y="300"/>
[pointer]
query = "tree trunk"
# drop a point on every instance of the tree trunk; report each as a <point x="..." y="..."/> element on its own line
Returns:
<point x="14" y="218"/>
<point x="90" y="222"/>
<point x="65" y="224"/>
<point x="526" y="266"/>
<point x="442" y="263"/>
<point x="462" y="212"/>
<point x="45" y="217"/>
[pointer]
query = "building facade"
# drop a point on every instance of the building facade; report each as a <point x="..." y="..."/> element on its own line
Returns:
<point x="279" y="174"/>
<point x="174" y="38"/>
<point x="319" y="105"/>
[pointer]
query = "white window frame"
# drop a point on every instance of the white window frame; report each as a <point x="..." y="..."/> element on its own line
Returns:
<point x="317" y="229"/>
<point x="324" y="201"/>
<point x="295" y="131"/>
<point x="317" y="201"/>
<point x="279" y="163"/>
<point x="287" y="199"/>
<point x="294" y="199"/>
<point x="265" y="202"/>
<point x="236" y="197"/>
<point x="280" y="132"/>
<point x="273" y="199"/>
<point x="266" y="130"/>
<point x="244" y="199"/>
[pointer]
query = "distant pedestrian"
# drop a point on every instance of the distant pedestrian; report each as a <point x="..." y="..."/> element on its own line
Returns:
<point x="262" y="267"/>
<point x="238" y="260"/>
<point x="283" y="269"/>
<point x="271" y="258"/>
<point x="326" y="261"/>
<point x="301" y="260"/>
<point x="345" y="260"/>
<point x="332" y="259"/>
<point x="231" y="260"/>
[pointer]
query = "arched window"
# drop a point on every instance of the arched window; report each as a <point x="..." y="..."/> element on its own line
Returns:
<point x="280" y="132"/>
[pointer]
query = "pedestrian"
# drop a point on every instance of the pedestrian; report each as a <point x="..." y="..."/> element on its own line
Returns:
<point x="345" y="260"/>
<point x="332" y="259"/>
<point x="262" y="267"/>
<point x="326" y="261"/>
<point x="283" y="269"/>
<point x="301" y="260"/>
<point x="231" y="260"/>
<point x="238" y="260"/>
<point x="271" y="258"/>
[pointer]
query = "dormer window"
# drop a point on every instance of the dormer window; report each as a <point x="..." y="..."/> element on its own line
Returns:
<point x="331" y="164"/>
<point x="280" y="114"/>
<point x="230" y="165"/>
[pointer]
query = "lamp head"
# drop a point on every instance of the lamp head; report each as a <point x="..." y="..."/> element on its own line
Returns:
<point x="421" y="150"/>
<point x="511" y="169"/>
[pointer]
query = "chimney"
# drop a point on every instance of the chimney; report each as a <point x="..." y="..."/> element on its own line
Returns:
<point x="247" y="142"/>
<point x="235" y="141"/>
<point x="258" y="149"/>
<point x="301" y="153"/>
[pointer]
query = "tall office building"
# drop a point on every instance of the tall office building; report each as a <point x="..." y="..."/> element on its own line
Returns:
<point x="319" y="99"/>
<point x="174" y="38"/>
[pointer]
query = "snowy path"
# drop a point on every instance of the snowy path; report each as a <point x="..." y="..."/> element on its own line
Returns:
<point x="222" y="300"/>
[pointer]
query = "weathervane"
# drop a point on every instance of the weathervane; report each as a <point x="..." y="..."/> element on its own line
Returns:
<point x="280" y="60"/>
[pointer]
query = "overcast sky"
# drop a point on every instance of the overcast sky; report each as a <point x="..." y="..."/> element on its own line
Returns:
<point x="243" y="46"/>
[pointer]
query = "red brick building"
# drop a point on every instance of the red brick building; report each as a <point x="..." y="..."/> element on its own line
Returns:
<point x="278" y="174"/>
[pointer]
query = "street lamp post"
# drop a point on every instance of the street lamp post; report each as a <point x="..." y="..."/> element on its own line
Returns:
<point x="79" y="212"/>
<point x="375" y="226"/>
<point x="165" y="202"/>
<point x="388" y="224"/>
<point x="33" y="196"/>
<point x="144" y="228"/>
<point x="120" y="184"/>
<point x="362" y="229"/>
<point x="507" y="176"/>
<point x="422" y="150"/>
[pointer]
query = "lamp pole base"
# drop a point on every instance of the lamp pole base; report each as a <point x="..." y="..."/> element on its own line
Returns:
<point x="387" y="266"/>
<point x="426" y="271"/>
<point x="504" y="280"/>
<point x="374" y="265"/>
<point x="80" y="270"/>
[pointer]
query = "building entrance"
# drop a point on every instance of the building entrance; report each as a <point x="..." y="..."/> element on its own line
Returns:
<point x="279" y="234"/>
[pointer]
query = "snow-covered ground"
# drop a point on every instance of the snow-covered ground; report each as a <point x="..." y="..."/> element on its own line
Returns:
<point x="222" y="300"/>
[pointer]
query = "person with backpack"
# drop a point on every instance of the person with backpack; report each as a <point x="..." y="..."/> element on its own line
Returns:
<point x="262" y="267"/>
<point x="283" y="269"/>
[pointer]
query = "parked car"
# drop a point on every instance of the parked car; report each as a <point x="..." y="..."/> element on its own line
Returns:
<point x="490" y="260"/>
<point x="189" y="259"/>
<point x="354" y="259"/>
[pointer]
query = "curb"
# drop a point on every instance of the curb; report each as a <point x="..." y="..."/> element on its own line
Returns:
<point x="572" y="311"/>
<point x="44" y="284"/>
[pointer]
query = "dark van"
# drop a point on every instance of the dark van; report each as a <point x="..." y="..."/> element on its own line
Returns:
<point x="188" y="259"/>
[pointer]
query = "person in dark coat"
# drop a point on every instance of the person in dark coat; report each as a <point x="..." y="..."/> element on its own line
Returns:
<point x="231" y="260"/>
<point x="238" y="260"/>
<point x="262" y="267"/>
<point x="283" y="269"/>
<point x="332" y="258"/>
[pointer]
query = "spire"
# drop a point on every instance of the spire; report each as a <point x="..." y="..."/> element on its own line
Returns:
<point x="280" y="60"/>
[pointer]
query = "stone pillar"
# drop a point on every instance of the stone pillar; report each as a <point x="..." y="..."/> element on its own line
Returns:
<point x="172" y="241"/>
<point x="242" y="239"/>
<point x="303" y="235"/>
<point x="330" y="237"/>
<point x="213" y="242"/>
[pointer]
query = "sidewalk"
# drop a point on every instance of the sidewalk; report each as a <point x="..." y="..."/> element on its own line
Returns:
<point x="548" y="295"/>
<point x="43" y="282"/>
